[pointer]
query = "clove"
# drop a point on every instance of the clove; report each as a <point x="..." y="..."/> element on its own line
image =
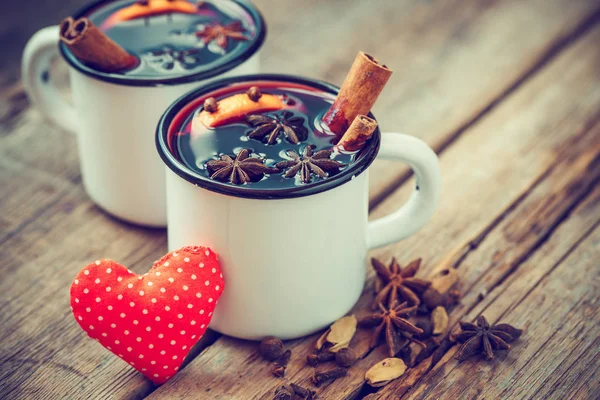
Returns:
<point x="315" y="358"/>
<point x="321" y="377"/>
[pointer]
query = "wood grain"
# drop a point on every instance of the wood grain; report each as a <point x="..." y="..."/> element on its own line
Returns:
<point x="555" y="152"/>
<point x="555" y="312"/>
<point x="456" y="62"/>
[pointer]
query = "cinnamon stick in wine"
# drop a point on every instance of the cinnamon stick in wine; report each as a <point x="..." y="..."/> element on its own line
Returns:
<point x="358" y="94"/>
<point x="93" y="47"/>
<point x="359" y="132"/>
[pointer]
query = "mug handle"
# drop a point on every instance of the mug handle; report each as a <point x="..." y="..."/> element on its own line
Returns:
<point x="35" y="67"/>
<point x="419" y="209"/>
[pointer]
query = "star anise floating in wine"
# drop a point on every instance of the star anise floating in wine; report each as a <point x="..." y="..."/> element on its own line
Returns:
<point x="239" y="170"/>
<point x="271" y="126"/>
<point x="167" y="57"/>
<point x="221" y="34"/>
<point x="483" y="338"/>
<point x="397" y="284"/>
<point x="393" y="324"/>
<point x="319" y="163"/>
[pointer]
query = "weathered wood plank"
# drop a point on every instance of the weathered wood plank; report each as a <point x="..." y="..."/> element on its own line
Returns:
<point x="545" y="129"/>
<point x="505" y="295"/>
<point x="60" y="361"/>
<point x="555" y="312"/>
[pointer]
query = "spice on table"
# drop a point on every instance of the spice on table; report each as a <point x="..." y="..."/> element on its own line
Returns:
<point x="317" y="357"/>
<point x="385" y="371"/>
<point x="345" y="358"/>
<point x="284" y="392"/>
<point x="339" y="334"/>
<point x="321" y="377"/>
<point x="440" y="351"/>
<point x="395" y="284"/>
<point x="431" y="345"/>
<point x="254" y="93"/>
<point x="426" y="325"/>
<point x="392" y="323"/>
<point x="211" y="105"/>
<point x="278" y="370"/>
<point x="279" y="366"/>
<point x="439" y="317"/>
<point x="441" y="284"/>
<point x="304" y="393"/>
<point x="453" y="297"/>
<point x="271" y="348"/>
<point x="483" y="338"/>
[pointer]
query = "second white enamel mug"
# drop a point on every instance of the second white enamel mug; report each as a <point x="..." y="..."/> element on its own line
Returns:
<point x="114" y="115"/>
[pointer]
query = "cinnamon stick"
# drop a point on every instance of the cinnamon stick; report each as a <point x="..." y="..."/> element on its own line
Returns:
<point x="93" y="47"/>
<point x="358" y="133"/>
<point x="361" y="88"/>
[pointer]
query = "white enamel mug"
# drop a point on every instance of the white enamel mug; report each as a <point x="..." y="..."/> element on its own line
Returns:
<point x="292" y="265"/>
<point x="113" y="116"/>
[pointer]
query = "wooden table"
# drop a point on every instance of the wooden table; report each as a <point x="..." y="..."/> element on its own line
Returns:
<point x="506" y="91"/>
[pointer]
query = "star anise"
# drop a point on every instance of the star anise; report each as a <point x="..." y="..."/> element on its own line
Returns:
<point x="398" y="329"/>
<point x="273" y="125"/>
<point x="167" y="57"/>
<point x="319" y="164"/>
<point x="483" y="338"/>
<point x="397" y="284"/>
<point x="221" y="34"/>
<point x="242" y="169"/>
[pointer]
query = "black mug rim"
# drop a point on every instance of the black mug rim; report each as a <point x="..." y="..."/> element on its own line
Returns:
<point x="171" y="161"/>
<point x="257" y="43"/>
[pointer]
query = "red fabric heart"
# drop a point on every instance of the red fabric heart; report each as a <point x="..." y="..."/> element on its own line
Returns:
<point x="152" y="320"/>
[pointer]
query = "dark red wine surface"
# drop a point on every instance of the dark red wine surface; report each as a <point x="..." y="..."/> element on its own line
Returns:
<point x="195" y="148"/>
<point x="167" y="45"/>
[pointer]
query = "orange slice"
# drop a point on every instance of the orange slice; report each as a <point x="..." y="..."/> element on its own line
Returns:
<point x="154" y="7"/>
<point x="237" y="106"/>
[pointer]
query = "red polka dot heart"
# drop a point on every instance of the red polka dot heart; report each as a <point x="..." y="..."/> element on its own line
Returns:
<point x="151" y="321"/>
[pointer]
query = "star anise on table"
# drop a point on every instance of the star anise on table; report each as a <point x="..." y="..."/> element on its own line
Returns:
<point x="395" y="284"/>
<point x="392" y="323"/>
<point x="319" y="164"/>
<point x="483" y="338"/>
<point x="272" y="126"/>
<point x="239" y="170"/>
<point x="221" y="34"/>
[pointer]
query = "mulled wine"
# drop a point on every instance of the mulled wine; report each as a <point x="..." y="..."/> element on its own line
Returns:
<point x="177" y="38"/>
<point x="262" y="135"/>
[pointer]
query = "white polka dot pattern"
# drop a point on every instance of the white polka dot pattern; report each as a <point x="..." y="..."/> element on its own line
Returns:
<point x="145" y="325"/>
